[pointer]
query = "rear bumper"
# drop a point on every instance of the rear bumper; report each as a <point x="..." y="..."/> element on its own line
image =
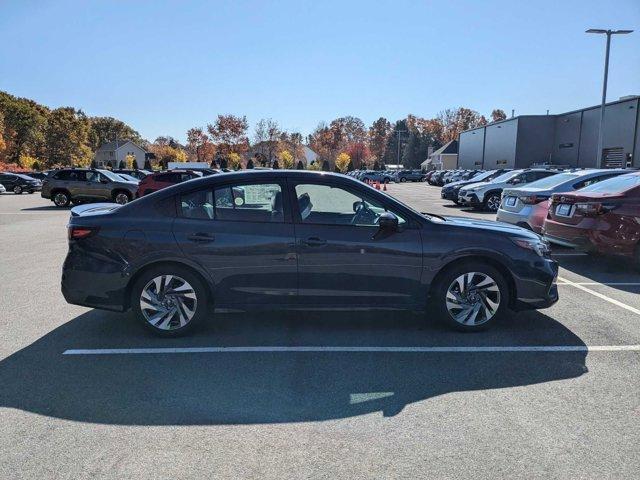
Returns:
<point x="521" y="218"/>
<point x="571" y="236"/>
<point x="92" y="282"/>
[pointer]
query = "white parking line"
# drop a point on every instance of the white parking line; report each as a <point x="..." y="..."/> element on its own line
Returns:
<point x="612" y="284"/>
<point x="320" y="349"/>
<point x="599" y="295"/>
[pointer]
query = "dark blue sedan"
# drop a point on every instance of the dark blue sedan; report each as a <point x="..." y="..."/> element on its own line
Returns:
<point x="278" y="239"/>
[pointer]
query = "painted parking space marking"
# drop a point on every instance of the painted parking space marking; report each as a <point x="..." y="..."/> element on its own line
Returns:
<point x="599" y="295"/>
<point x="355" y="349"/>
<point x="606" y="284"/>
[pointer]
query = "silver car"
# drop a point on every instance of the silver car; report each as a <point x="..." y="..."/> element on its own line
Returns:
<point x="527" y="206"/>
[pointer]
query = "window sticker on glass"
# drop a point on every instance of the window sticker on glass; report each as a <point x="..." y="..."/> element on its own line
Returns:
<point x="239" y="201"/>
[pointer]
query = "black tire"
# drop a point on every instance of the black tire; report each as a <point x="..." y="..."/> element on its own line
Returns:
<point x="386" y="180"/>
<point x="17" y="190"/>
<point x="402" y="179"/>
<point x="119" y="196"/>
<point x="457" y="202"/>
<point x="438" y="302"/>
<point x="61" y="198"/>
<point x="201" y="305"/>
<point x="492" y="202"/>
<point x="30" y="192"/>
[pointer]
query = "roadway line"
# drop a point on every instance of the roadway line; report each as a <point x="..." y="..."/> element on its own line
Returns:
<point x="568" y="254"/>
<point x="320" y="349"/>
<point x="600" y="295"/>
<point x="628" y="284"/>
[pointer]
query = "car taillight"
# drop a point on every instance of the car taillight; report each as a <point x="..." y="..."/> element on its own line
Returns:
<point x="77" y="233"/>
<point x="593" y="208"/>
<point x="532" y="199"/>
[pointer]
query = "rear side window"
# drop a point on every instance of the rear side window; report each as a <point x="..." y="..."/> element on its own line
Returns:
<point x="249" y="203"/>
<point x="197" y="205"/>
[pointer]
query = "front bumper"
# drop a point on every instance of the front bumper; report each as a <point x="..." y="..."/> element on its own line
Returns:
<point x="538" y="290"/>
<point x="450" y="194"/>
<point x="469" y="199"/>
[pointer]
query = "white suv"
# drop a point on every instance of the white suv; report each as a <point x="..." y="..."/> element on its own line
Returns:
<point x="486" y="196"/>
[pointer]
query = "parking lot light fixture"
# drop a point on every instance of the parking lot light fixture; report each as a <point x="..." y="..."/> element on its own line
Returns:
<point x="608" y="33"/>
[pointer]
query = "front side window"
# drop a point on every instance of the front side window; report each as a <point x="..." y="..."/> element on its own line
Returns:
<point x="249" y="203"/>
<point x="332" y="205"/>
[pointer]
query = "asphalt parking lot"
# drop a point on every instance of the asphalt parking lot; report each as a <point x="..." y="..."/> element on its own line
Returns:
<point x="553" y="393"/>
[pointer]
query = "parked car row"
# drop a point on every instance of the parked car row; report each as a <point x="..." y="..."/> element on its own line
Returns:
<point x="19" y="183"/>
<point x="444" y="177"/>
<point x="387" y="176"/>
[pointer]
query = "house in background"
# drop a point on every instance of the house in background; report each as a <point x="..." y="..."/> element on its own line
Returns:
<point x="110" y="154"/>
<point x="445" y="158"/>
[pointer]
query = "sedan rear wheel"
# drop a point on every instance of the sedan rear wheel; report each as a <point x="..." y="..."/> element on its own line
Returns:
<point x="169" y="300"/>
<point x="17" y="189"/>
<point x="471" y="296"/>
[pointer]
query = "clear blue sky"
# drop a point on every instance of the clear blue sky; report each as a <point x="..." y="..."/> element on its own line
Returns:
<point x="164" y="67"/>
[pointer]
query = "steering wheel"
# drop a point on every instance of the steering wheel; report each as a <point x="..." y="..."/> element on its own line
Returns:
<point x="364" y="215"/>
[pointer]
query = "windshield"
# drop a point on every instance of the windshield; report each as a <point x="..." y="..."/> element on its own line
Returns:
<point x="553" y="180"/>
<point x="481" y="176"/>
<point x="614" y="185"/>
<point x="506" y="176"/>
<point x="110" y="175"/>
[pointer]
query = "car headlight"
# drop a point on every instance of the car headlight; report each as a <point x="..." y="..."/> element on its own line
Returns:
<point x="540" y="246"/>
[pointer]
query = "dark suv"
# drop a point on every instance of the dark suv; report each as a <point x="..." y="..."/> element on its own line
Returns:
<point x="80" y="185"/>
<point x="410" y="176"/>
<point x="18" y="183"/>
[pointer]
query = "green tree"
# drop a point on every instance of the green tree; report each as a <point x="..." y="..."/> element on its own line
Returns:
<point x="300" y="165"/>
<point x="107" y="129"/>
<point x="66" y="136"/>
<point x="398" y="134"/>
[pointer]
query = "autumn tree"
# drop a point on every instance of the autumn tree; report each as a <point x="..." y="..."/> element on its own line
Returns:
<point x="229" y="133"/>
<point x="235" y="161"/>
<point x="456" y="121"/>
<point x="378" y="137"/>
<point x="107" y="129"/>
<point x="199" y="145"/>
<point x="342" y="162"/>
<point x="66" y="136"/>
<point x="359" y="154"/>
<point x="266" y="139"/>
<point x="497" y="115"/>
<point x="285" y="159"/>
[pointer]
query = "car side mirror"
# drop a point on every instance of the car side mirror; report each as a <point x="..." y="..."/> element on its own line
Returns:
<point x="356" y="205"/>
<point x="388" y="221"/>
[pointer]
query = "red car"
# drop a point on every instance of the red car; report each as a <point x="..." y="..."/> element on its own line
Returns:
<point x="158" y="181"/>
<point x="603" y="217"/>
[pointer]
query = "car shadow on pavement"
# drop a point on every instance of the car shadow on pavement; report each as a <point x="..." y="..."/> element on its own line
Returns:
<point x="44" y="208"/>
<point x="268" y="387"/>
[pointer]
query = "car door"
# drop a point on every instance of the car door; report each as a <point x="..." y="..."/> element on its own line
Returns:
<point x="95" y="185"/>
<point x="8" y="181"/>
<point x="242" y="233"/>
<point x="344" y="259"/>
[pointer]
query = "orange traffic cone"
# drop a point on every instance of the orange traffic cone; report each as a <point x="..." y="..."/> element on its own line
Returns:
<point x="377" y="184"/>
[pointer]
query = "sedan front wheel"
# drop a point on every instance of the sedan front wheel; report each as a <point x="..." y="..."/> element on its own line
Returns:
<point x="471" y="296"/>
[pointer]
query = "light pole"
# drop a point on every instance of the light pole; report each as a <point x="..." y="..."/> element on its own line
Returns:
<point x="608" y="33"/>
<point x="398" y="142"/>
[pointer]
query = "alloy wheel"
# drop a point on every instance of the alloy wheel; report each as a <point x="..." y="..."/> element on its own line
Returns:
<point x="122" y="198"/>
<point x="473" y="298"/>
<point x="17" y="189"/>
<point x="168" y="302"/>
<point x="61" y="199"/>
<point x="493" y="203"/>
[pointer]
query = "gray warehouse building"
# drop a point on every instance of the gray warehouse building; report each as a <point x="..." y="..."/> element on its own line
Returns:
<point x="568" y="139"/>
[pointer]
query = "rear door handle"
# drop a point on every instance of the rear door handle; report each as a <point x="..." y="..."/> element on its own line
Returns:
<point x="314" y="242"/>
<point x="201" y="237"/>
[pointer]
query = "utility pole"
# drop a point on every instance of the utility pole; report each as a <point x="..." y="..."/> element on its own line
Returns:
<point x="608" y="33"/>
<point x="398" y="132"/>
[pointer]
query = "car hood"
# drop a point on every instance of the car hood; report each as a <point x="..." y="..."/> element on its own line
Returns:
<point x="489" y="225"/>
<point x="461" y="183"/>
<point x="471" y="185"/>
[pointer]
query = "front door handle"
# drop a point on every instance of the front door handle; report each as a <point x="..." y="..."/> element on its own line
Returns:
<point x="201" y="238"/>
<point x="314" y="242"/>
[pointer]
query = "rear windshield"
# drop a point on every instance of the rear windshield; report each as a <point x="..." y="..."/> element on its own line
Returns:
<point x="506" y="176"/>
<point x="553" y="180"/>
<point x="110" y="175"/>
<point x="615" y="184"/>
